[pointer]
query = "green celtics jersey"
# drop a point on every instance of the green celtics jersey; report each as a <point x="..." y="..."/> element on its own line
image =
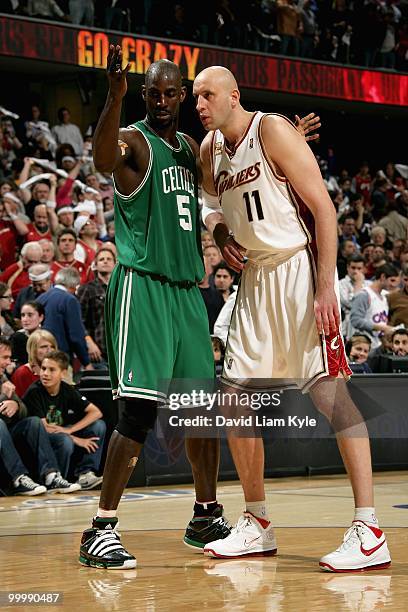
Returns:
<point x="157" y="229"/>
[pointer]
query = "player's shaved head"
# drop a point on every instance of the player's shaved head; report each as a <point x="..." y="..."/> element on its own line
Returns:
<point x="163" y="69"/>
<point x="218" y="76"/>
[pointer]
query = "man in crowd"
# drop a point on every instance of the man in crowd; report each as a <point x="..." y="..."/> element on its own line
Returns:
<point x="63" y="316"/>
<point x="66" y="243"/>
<point x="16" y="275"/>
<point x="67" y="132"/>
<point x="349" y="286"/>
<point x="400" y="342"/>
<point x="40" y="281"/>
<point x="92" y="299"/>
<point x="369" y="308"/>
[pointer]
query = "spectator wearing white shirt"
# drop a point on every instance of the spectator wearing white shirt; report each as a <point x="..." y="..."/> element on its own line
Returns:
<point x="369" y="308"/>
<point x="349" y="286"/>
<point x="67" y="132"/>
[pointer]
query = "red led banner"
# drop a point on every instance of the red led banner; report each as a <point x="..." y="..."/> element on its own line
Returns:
<point x="88" y="48"/>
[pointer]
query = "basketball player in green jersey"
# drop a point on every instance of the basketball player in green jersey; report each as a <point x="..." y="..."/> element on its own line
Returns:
<point x="156" y="322"/>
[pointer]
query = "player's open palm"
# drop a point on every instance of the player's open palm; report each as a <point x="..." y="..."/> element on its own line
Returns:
<point x="116" y="75"/>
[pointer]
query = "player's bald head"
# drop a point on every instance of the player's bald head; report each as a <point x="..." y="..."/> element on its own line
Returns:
<point x="163" y="70"/>
<point x="219" y="77"/>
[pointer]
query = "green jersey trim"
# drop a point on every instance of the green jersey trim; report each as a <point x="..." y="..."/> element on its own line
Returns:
<point x="176" y="150"/>
<point x="183" y="136"/>
<point x="146" y="176"/>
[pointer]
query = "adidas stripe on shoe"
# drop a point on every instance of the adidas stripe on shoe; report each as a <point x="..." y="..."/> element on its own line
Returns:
<point x="101" y="546"/>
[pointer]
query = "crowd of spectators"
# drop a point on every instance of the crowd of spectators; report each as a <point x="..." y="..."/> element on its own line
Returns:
<point x="360" y="32"/>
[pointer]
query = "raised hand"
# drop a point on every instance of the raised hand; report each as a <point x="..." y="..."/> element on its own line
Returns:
<point x="308" y="124"/>
<point x="116" y="75"/>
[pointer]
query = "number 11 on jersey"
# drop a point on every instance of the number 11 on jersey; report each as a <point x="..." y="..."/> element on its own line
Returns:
<point x="258" y="205"/>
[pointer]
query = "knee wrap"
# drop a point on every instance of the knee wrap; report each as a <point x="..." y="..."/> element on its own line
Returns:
<point x="136" y="418"/>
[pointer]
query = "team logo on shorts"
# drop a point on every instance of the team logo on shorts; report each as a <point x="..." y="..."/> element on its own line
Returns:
<point x="334" y="344"/>
<point x="130" y="376"/>
<point x="218" y="148"/>
<point x="251" y="143"/>
<point x="229" y="363"/>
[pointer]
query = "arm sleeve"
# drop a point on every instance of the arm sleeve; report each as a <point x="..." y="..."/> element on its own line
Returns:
<point x="358" y="313"/>
<point x="78" y="401"/>
<point x="210" y="204"/>
<point x="222" y="323"/>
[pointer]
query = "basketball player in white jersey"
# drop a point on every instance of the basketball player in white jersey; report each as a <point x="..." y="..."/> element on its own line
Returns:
<point x="263" y="196"/>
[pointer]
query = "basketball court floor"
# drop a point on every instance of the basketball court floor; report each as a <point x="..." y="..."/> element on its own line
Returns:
<point x="39" y="539"/>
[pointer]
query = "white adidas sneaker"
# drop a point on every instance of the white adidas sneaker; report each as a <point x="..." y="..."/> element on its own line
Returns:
<point x="364" y="547"/>
<point x="247" y="538"/>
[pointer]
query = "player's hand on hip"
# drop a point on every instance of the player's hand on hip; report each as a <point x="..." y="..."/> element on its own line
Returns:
<point x="326" y="311"/>
<point x="233" y="254"/>
<point x="116" y="75"/>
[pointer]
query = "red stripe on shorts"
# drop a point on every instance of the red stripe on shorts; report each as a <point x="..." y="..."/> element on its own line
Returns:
<point x="336" y="355"/>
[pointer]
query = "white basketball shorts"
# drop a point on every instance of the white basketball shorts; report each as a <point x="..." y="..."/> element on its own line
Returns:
<point x="273" y="332"/>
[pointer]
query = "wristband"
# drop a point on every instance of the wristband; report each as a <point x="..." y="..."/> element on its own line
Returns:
<point x="51" y="204"/>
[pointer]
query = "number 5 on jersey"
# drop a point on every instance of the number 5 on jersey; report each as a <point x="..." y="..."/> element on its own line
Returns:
<point x="184" y="213"/>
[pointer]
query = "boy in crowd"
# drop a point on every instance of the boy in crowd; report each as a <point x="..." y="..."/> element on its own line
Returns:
<point x="72" y="422"/>
<point x="15" y="426"/>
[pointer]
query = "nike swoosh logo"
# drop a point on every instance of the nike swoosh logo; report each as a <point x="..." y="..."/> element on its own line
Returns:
<point x="370" y="551"/>
<point x="248" y="544"/>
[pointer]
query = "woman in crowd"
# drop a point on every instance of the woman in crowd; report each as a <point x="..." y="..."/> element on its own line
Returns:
<point x="39" y="344"/>
<point x="32" y="315"/>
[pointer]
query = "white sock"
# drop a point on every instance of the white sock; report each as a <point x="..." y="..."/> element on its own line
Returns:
<point x="366" y="514"/>
<point x="258" y="509"/>
<point x="49" y="478"/>
<point x="106" y="513"/>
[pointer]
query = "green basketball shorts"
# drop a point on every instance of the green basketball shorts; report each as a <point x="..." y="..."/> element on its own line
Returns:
<point x="155" y="331"/>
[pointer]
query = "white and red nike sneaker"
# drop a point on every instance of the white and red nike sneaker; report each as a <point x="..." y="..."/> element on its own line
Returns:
<point x="364" y="547"/>
<point x="249" y="537"/>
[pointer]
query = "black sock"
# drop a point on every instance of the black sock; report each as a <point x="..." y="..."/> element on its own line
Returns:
<point x="204" y="509"/>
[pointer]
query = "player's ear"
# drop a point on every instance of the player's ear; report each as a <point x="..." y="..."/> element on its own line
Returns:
<point x="235" y="95"/>
<point x="144" y="92"/>
<point x="183" y="93"/>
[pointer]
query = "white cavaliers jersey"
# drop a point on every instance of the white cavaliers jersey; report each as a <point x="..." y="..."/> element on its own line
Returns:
<point x="261" y="208"/>
<point x="377" y="313"/>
